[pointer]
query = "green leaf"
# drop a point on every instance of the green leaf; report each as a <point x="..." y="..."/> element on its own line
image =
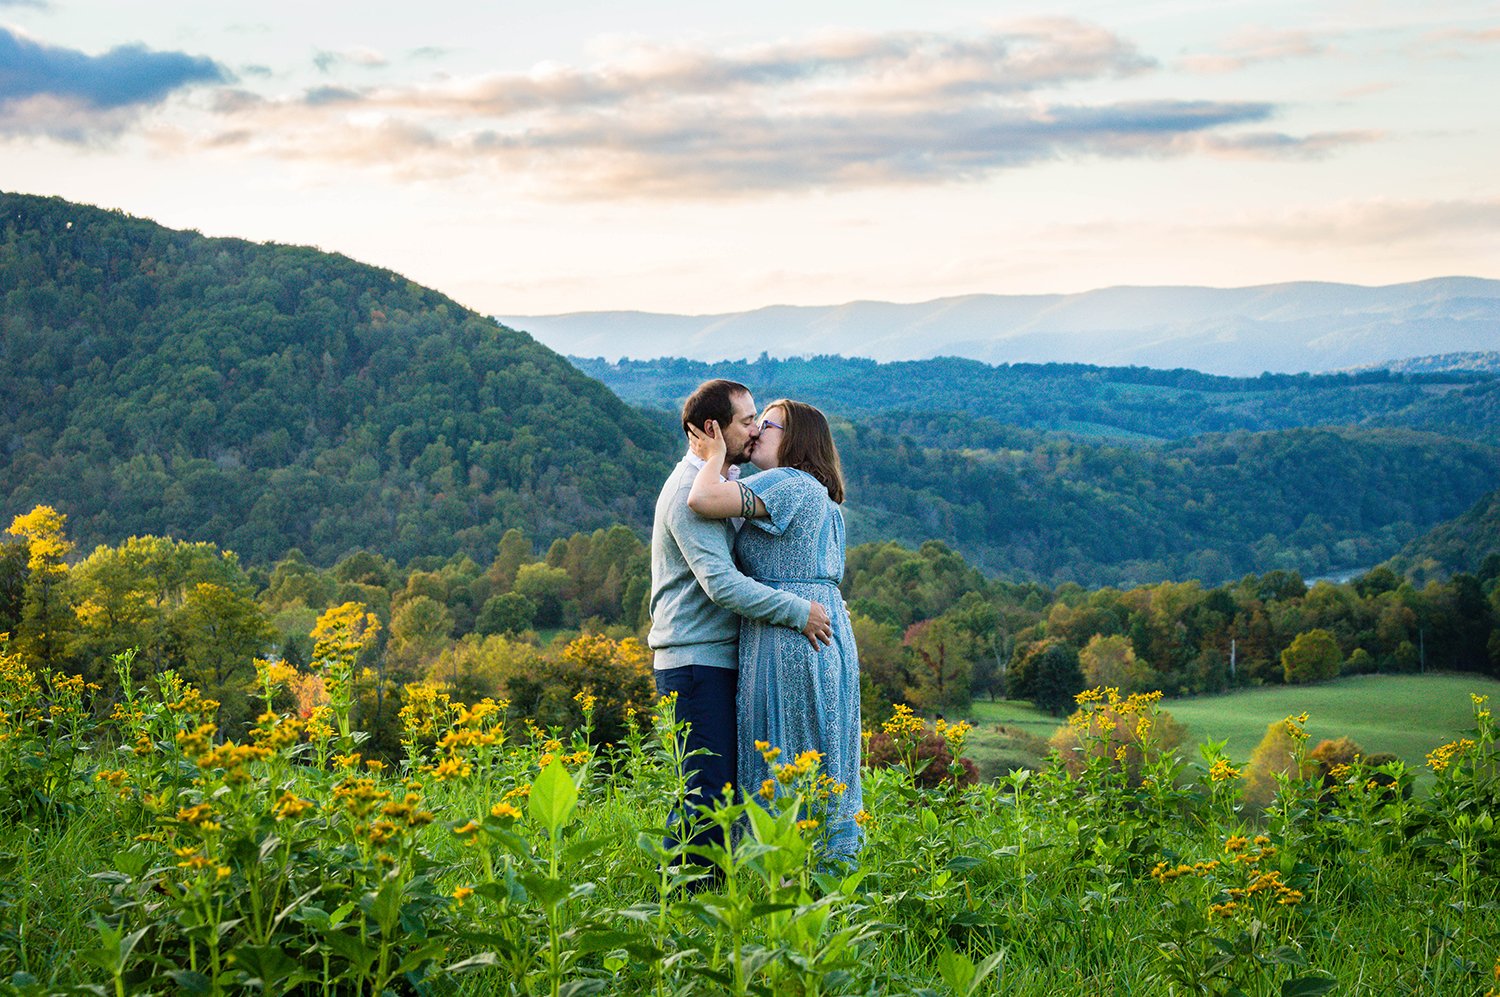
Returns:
<point x="579" y="850"/>
<point x="956" y="969"/>
<point x="484" y="960"/>
<point x="349" y="948"/>
<point x="1308" y="986"/>
<point x="189" y="981"/>
<point x="553" y="796"/>
<point x="581" y="988"/>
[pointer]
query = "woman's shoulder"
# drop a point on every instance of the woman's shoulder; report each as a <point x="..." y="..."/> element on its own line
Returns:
<point x="785" y="479"/>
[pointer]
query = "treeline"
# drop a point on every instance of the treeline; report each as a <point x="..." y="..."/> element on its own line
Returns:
<point x="540" y="628"/>
<point x="1087" y="401"/>
<point x="505" y="629"/>
<point x="262" y="397"/>
<point x="935" y="633"/>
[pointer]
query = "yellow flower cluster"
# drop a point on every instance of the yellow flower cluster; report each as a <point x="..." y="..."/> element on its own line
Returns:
<point x="954" y="734"/>
<point x="408" y="811"/>
<point x="903" y="723"/>
<point x="276" y="732"/>
<point x="1267" y="884"/>
<point x="805" y="764"/>
<point x="426" y="703"/>
<point x="290" y="806"/>
<point x="1222" y="771"/>
<point x="1440" y="758"/>
<point x="1165" y="872"/>
<point x="359" y="796"/>
<point x="1296" y="727"/>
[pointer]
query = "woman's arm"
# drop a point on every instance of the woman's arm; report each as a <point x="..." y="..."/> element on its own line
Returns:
<point x="712" y="497"/>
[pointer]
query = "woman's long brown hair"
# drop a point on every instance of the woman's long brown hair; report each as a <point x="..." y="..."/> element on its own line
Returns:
<point x="807" y="444"/>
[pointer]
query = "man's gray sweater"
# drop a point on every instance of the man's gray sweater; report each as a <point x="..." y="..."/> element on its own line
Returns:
<point x="697" y="593"/>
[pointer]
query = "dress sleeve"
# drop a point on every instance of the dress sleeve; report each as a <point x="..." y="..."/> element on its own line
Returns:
<point x="785" y="492"/>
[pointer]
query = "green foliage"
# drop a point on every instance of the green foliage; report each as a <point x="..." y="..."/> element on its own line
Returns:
<point x="1313" y="656"/>
<point x="953" y="403"/>
<point x="504" y="858"/>
<point x="262" y="396"/>
<point x="1046" y="672"/>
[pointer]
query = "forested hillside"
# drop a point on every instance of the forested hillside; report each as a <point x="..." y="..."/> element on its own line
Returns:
<point x="1465" y="544"/>
<point x="1211" y="508"/>
<point x="1084" y="401"/>
<point x="269" y="398"/>
<point x="266" y="397"/>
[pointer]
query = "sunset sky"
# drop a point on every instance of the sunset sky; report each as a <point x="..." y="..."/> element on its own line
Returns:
<point x="711" y="157"/>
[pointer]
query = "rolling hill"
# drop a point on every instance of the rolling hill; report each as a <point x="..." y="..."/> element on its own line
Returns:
<point x="266" y="397"/>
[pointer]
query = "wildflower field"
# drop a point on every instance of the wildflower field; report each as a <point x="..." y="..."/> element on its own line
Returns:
<point x="142" y="851"/>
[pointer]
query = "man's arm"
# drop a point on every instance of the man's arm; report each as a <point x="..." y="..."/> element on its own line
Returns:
<point x="702" y="544"/>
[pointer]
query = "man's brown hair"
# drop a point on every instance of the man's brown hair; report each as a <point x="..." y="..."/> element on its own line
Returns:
<point x="807" y="444"/>
<point x="711" y="400"/>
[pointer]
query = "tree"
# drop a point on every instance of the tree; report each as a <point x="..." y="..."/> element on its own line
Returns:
<point x="420" y="629"/>
<point x="507" y="613"/>
<point x="1313" y="656"/>
<point x="1046" y="672"/>
<point x="942" y="658"/>
<point x="544" y="586"/>
<point x="46" y="618"/>
<point x="1110" y="662"/>
<point x="883" y="673"/>
<point x="221" y="632"/>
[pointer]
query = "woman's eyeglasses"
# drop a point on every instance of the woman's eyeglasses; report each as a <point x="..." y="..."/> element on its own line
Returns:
<point x="774" y="425"/>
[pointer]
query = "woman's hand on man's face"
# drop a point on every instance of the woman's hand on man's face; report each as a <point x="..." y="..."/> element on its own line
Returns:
<point x="706" y="446"/>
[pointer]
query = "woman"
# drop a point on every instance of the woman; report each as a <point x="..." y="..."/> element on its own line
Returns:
<point x="791" y="695"/>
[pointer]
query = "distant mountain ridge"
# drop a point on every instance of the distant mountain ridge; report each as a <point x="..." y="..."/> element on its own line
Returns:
<point x="964" y="403"/>
<point x="1241" y="332"/>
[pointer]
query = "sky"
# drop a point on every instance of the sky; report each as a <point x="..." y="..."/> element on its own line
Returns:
<point x="703" y="158"/>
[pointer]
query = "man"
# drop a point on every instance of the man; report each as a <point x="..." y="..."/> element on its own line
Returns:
<point x="698" y="597"/>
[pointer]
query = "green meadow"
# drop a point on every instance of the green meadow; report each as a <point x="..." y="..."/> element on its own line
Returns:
<point x="1406" y="715"/>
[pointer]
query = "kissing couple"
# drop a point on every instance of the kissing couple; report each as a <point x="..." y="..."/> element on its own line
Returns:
<point x="747" y="623"/>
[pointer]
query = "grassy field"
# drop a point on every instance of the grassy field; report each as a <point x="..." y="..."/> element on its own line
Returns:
<point x="1407" y="715"/>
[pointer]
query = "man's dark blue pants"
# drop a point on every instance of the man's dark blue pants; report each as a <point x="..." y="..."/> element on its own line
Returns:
<point x="705" y="699"/>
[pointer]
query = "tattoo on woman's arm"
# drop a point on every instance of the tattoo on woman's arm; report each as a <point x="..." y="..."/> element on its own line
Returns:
<point x="747" y="501"/>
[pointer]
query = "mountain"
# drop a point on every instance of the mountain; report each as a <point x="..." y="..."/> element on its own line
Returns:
<point x="1487" y="362"/>
<point x="1469" y="543"/>
<point x="1238" y="332"/>
<point x="962" y="403"/>
<point x="266" y="397"/>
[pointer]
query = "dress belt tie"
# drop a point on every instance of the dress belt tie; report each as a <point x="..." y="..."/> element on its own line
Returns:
<point x="795" y="581"/>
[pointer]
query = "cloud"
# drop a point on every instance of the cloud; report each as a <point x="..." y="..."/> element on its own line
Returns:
<point x="1381" y="222"/>
<point x="1256" y="45"/>
<point x="37" y="4"/>
<point x="76" y="97"/>
<point x="1455" y="43"/>
<point x="1278" y="145"/>
<point x="327" y="61"/>
<point x="832" y="110"/>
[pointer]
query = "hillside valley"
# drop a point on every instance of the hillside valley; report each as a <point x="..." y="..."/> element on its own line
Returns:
<point x="269" y="398"/>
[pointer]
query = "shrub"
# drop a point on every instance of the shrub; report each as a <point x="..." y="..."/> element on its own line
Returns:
<point x="931" y="749"/>
<point x="1276" y="755"/>
<point x="1127" y="732"/>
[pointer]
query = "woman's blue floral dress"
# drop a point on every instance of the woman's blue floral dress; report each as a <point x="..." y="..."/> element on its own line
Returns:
<point x="791" y="695"/>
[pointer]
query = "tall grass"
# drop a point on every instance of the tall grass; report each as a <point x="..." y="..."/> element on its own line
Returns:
<point x="499" y="858"/>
